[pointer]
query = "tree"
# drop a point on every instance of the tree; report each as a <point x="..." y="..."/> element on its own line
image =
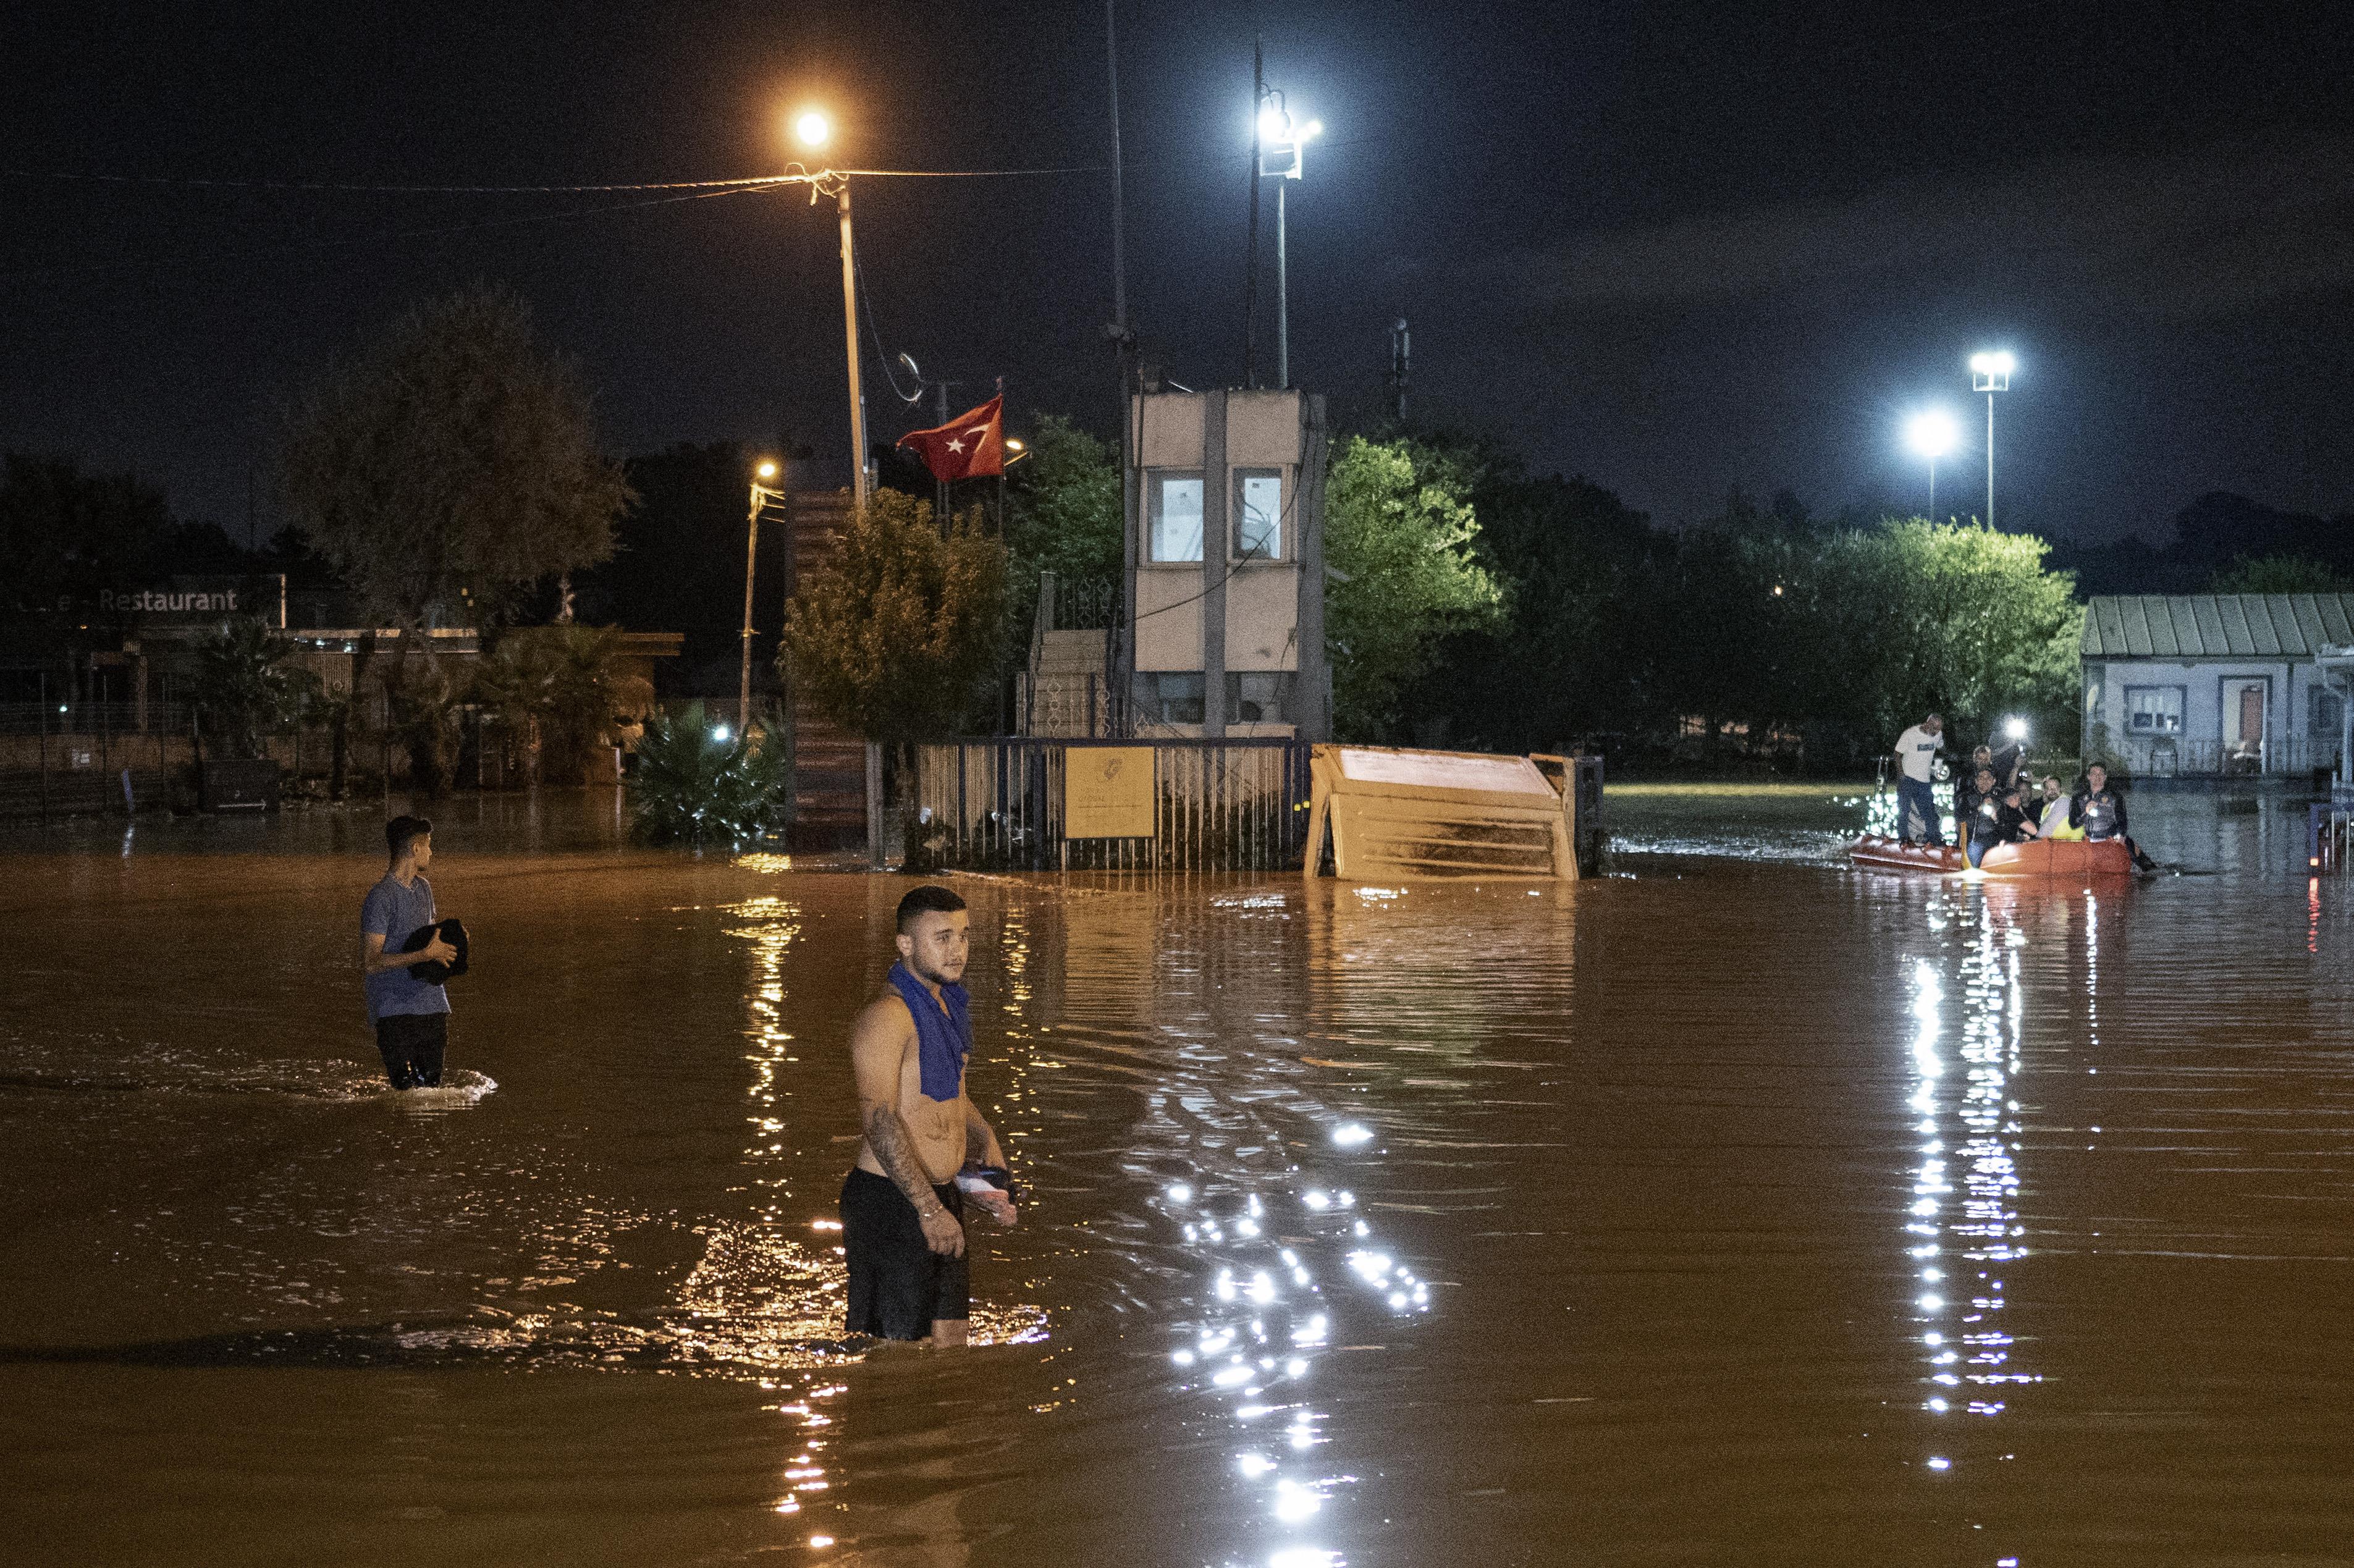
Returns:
<point x="453" y="462"/>
<point x="64" y="534"/>
<point x="1974" y="627"/>
<point x="244" y="687"/>
<point x="1397" y="534"/>
<point x="562" y="686"/>
<point x="1063" y="513"/>
<point x="2280" y="574"/>
<point x="897" y="637"/>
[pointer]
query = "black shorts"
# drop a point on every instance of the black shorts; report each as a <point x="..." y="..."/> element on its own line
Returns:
<point x="411" y="1044"/>
<point x="898" y="1287"/>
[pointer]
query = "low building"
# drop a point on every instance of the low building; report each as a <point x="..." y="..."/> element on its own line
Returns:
<point x="2212" y="684"/>
<point x="1223" y="624"/>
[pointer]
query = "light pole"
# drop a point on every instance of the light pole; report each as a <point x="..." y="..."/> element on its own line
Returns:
<point x="1931" y="433"/>
<point x="1281" y="146"/>
<point x="761" y="495"/>
<point x="1990" y="374"/>
<point x="1016" y="450"/>
<point x="813" y="130"/>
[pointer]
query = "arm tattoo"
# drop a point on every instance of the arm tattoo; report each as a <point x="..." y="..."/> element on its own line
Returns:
<point x="894" y="1151"/>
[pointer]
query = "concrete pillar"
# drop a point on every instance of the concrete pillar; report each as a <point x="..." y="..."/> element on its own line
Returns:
<point x="1312" y="699"/>
<point x="1216" y="483"/>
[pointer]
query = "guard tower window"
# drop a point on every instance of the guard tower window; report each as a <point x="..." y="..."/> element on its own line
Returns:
<point x="1258" y="514"/>
<point x="1174" y="516"/>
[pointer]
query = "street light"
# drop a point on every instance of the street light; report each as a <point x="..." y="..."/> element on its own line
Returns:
<point x="1931" y="433"/>
<point x="762" y="492"/>
<point x="1990" y="374"/>
<point x="1016" y="450"/>
<point x="813" y="129"/>
<point x="1281" y="149"/>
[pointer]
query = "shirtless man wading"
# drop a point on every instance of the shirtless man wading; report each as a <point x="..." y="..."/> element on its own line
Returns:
<point x="903" y="1207"/>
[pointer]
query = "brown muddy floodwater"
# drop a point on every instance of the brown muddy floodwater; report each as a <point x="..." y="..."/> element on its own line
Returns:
<point x="1738" y="1208"/>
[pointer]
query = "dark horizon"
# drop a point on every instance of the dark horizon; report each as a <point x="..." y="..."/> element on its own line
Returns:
<point x="1674" y="253"/>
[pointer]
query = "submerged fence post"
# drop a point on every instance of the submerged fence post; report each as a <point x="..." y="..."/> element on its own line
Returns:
<point x="875" y="804"/>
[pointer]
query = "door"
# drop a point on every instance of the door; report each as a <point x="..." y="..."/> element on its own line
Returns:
<point x="2245" y="700"/>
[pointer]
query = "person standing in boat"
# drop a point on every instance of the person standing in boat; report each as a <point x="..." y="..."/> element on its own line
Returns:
<point x="2100" y="811"/>
<point x="1970" y="794"/>
<point x="1916" y="800"/>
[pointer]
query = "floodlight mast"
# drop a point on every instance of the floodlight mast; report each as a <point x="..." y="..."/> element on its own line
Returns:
<point x="1931" y="433"/>
<point x="1990" y="374"/>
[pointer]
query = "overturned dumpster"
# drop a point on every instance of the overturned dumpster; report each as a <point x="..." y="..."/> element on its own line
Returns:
<point x="1379" y="814"/>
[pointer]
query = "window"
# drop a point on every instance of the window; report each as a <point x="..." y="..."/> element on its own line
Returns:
<point x="1175" y="696"/>
<point x="1174" y="503"/>
<point x="1257" y="696"/>
<point x="2328" y="714"/>
<point x="2154" y="710"/>
<point x="1258" y="514"/>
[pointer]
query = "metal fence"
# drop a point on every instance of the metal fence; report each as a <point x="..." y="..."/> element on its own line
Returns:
<point x="1065" y="705"/>
<point x="1218" y="805"/>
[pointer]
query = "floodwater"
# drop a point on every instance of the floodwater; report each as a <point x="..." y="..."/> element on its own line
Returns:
<point x="1735" y="1208"/>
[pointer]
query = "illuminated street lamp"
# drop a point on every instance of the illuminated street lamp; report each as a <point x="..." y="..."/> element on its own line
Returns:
<point x="762" y="494"/>
<point x="1990" y="374"/>
<point x="1931" y="433"/>
<point x="812" y="129"/>
<point x="1282" y="146"/>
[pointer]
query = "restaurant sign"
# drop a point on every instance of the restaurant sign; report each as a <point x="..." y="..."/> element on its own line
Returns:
<point x="194" y="602"/>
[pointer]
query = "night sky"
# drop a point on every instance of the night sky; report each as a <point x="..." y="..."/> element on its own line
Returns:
<point x="1675" y="247"/>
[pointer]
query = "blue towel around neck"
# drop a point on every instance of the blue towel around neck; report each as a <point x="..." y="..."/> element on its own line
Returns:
<point x="942" y="1041"/>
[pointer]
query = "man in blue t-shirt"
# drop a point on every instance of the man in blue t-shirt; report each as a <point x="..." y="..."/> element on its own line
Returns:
<point x="411" y="1018"/>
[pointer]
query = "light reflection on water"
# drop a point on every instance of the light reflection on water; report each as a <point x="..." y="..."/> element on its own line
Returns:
<point x="1363" y="1224"/>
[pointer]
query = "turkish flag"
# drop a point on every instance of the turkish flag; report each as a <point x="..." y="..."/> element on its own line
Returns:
<point x="971" y="445"/>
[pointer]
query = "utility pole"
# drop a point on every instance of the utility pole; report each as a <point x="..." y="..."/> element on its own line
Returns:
<point x="1118" y="656"/>
<point x="1399" y="356"/>
<point x="1250" y="267"/>
<point x="850" y="333"/>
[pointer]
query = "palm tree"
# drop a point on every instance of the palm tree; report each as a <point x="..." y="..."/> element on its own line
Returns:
<point x="564" y="689"/>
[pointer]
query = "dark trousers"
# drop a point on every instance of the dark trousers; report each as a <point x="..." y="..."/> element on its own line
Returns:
<point x="1915" y="796"/>
<point x="411" y="1044"/>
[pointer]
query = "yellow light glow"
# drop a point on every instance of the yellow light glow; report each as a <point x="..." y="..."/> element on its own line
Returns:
<point x="812" y="128"/>
<point x="766" y="471"/>
<point x="1014" y="444"/>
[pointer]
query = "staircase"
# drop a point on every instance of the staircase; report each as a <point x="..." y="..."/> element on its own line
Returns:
<point x="829" y="764"/>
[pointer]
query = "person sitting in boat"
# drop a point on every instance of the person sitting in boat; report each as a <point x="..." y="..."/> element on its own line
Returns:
<point x="2000" y="817"/>
<point x="2053" y="809"/>
<point x="2101" y="812"/>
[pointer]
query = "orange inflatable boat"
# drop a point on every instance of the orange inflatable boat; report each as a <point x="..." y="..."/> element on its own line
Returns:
<point x="2036" y="857"/>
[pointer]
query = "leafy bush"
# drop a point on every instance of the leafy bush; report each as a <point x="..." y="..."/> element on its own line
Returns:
<point x="897" y="638"/>
<point x="692" y="788"/>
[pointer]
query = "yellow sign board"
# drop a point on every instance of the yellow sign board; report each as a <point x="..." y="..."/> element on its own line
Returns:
<point x="1108" y="792"/>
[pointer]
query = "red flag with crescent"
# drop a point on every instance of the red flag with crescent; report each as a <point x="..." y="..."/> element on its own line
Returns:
<point x="967" y="447"/>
